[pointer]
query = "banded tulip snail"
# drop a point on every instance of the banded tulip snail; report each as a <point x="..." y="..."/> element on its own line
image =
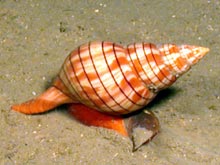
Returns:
<point x="103" y="81"/>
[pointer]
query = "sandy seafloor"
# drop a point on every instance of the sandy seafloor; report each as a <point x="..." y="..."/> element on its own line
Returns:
<point x="37" y="35"/>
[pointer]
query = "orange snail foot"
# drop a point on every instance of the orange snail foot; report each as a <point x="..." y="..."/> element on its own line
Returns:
<point x="140" y="128"/>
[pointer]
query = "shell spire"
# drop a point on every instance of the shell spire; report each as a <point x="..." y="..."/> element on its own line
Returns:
<point x="180" y="58"/>
<point x="197" y="52"/>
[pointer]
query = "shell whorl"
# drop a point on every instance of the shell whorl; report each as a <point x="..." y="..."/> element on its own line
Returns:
<point x="110" y="78"/>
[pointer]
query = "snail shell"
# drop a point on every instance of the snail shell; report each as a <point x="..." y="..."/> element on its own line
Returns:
<point x="111" y="78"/>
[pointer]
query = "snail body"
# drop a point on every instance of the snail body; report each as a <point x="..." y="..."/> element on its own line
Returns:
<point x="110" y="78"/>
